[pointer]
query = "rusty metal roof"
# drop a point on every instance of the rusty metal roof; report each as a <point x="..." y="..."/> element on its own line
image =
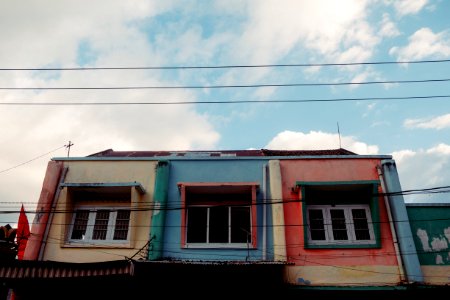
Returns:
<point x="27" y="269"/>
<point x="222" y="153"/>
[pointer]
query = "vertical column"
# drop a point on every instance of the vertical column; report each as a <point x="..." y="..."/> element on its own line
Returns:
<point x="276" y="197"/>
<point x="159" y="212"/>
<point x="401" y="222"/>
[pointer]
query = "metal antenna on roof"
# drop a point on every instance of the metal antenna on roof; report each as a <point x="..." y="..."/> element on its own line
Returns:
<point x="339" y="134"/>
<point x="70" y="144"/>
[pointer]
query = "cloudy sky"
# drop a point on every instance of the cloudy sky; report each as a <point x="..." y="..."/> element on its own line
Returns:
<point x="381" y="113"/>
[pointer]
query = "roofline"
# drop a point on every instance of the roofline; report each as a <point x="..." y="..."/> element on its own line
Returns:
<point x="192" y="158"/>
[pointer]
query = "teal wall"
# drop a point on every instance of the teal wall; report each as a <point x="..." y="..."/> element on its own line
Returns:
<point x="430" y="226"/>
<point x="219" y="170"/>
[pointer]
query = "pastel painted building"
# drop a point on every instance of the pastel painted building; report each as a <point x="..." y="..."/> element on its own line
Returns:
<point x="345" y="229"/>
<point x="90" y="206"/>
<point x="225" y="220"/>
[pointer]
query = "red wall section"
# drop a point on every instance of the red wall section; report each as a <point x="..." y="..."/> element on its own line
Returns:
<point x="330" y="170"/>
<point x="44" y="205"/>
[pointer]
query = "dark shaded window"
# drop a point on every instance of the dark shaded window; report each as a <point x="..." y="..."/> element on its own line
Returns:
<point x="197" y="222"/>
<point x="338" y="224"/>
<point x="80" y="224"/>
<point x="361" y="225"/>
<point x="316" y="225"/>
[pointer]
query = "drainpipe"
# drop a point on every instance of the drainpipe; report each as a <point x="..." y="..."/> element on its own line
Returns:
<point x="159" y="212"/>
<point x="391" y="224"/>
<point x="401" y="222"/>
<point x="264" y="221"/>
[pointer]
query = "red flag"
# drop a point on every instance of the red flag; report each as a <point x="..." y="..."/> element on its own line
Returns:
<point x="23" y="233"/>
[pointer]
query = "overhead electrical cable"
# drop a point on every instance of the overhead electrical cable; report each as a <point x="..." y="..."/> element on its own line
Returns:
<point x="231" y="86"/>
<point x="228" y="66"/>
<point x="73" y="103"/>
<point x="28" y="161"/>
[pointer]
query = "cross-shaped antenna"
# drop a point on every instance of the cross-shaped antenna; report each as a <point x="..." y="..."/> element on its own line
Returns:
<point x="70" y="144"/>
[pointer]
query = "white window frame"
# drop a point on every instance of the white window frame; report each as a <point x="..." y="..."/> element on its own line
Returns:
<point x="91" y="223"/>
<point x="207" y="244"/>
<point x="329" y="239"/>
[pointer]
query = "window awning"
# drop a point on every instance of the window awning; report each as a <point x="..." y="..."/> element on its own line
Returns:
<point x="106" y="186"/>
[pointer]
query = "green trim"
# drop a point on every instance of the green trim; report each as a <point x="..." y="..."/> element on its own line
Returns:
<point x="356" y="182"/>
<point x="374" y="211"/>
<point x="135" y="184"/>
<point x="159" y="215"/>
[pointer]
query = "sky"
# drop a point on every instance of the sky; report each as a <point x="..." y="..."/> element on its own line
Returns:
<point x="322" y="50"/>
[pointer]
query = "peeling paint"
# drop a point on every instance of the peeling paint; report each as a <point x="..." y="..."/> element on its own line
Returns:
<point x="423" y="236"/>
<point x="447" y="233"/>
<point x="303" y="281"/>
<point x="439" y="260"/>
<point x="438" y="244"/>
<point x="156" y="208"/>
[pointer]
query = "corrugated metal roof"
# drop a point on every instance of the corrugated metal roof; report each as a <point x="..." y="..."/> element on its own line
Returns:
<point x="25" y="269"/>
<point x="221" y="153"/>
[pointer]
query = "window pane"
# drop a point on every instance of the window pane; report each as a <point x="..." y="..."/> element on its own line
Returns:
<point x="218" y="224"/>
<point x="316" y="224"/>
<point x="122" y="222"/>
<point x="360" y="224"/>
<point x="338" y="224"/>
<point x="240" y="225"/>
<point x="101" y="225"/>
<point x="80" y="225"/>
<point x="196" y="224"/>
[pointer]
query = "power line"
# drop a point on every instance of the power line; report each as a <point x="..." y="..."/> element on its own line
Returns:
<point x="228" y="66"/>
<point x="436" y="97"/>
<point x="311" y="259"/>
<point x="229" y="86"/>
<point x="28" y="161"/>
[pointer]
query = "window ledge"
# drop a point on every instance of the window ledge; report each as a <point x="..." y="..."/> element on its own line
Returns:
<point x="218" y="246"/>
<point x="106" y="244"/>
<point x="342" y="246"/>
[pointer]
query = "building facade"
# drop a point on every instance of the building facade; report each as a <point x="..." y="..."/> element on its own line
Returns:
<point x="296" y="221"/>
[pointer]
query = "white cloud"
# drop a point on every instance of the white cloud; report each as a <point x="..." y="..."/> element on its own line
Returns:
<point x="439" y="122"/>
<point x="322" y="25"/>
<point x="424" y="43"/>
<point x="424" y="168"/>
<point x="47" y="33"/>
<point x="406" y="7"/>
<point x="317" y="140"/>
<point x="388" y="28"/>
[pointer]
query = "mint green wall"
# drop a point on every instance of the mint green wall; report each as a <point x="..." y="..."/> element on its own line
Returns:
<point x="430" y="226"/>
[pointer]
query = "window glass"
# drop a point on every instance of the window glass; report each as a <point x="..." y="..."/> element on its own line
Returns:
<point x="316" y="224"/>
<point x="361" y="225"/>
<point x="338" y="224"/>
<point x="196" y="224"/>
<point x="80" y="224"/>
<point x="122" y="224"/>
<point x="240" y="225"/>
<point x="101" y="225"/>
<point x="218" y="224"/>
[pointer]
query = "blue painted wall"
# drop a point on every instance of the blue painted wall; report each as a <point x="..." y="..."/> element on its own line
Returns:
<point x="222" y="170"/>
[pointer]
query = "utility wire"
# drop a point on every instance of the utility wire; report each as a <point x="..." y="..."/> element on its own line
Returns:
<point x="28" y="161"/>
<point x="228" y="66"/>
<point x="229" y="86"/>
<point x="224" y="101"/>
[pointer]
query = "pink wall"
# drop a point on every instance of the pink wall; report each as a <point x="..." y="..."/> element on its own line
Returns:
<point x="45" y="203"/>
<point x="331" y="170"/>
